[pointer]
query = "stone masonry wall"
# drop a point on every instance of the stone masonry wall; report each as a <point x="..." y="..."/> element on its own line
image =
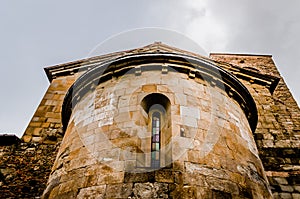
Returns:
<point x="26" y="166"/>
<point x="215" y="157"/>
<point x="24" y="169"/>
<point x="46" y="121"/>
<point x="278" y="131"/>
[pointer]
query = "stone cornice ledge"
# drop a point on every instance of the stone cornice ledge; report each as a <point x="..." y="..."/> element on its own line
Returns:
<point x="193" y="66"/>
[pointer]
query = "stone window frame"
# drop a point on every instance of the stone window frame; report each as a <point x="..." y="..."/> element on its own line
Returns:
<point x="151" y="103"/>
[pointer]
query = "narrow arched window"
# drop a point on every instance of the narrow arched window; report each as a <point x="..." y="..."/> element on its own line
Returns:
<point x="155" y="139"/>
<point x="156" y="147"/>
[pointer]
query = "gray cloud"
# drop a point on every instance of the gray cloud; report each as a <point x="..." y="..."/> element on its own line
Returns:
<point x="267" y="27"/>
<point x="37" y="34"/>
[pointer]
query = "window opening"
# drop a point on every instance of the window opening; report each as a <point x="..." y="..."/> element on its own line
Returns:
<point x="156" y="137"/>
<point x="156" y="144"/>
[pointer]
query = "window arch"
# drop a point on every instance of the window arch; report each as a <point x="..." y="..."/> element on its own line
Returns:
<point x="157" y="150"/>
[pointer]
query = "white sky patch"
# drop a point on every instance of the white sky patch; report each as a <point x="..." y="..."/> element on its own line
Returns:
<point x="45" y="34"/>
<point x="204" y="27"/>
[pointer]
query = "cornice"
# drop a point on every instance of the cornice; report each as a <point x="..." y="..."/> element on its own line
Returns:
<point x="194" y="67"/>
<point x="81" y="65"/>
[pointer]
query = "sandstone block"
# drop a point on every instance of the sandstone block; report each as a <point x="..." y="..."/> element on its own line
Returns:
<point x="286" y="188"/>
<point x="36" y="139"/>
<point x="94" y="192"/>
<point x="164" y="175"/>
<point x="152" y="88"/>
<point x="111" y="178"/>
<point x="118" y="190"/>
<point x="280" y="180"/>
<point x="26" y="138"/>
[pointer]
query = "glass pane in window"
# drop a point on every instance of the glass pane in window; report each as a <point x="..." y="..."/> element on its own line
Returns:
<point x="157" y="146"/>
<point x="156" y="138"/>
<point x="157" y="155"/>
<point x="154" y="146"/>
<point x="153" y="155"/>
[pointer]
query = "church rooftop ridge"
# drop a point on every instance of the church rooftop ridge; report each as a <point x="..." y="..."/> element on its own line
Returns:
<point x="156" y="47"/>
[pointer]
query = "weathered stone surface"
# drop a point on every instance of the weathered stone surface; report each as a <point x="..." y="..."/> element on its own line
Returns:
<point x="25" y="168"/>
<point x="277" y="133"/>
<point x="208" y="148"/>
<point x="117" y="142"/>
<point x="96" y="192"/>
<point x="118" y="190"/>
<point x="150" y="190"/>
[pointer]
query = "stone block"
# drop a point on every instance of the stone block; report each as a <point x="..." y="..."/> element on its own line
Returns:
<point x="296" y="195"/>
<point x="130" y="165"/>
<point x="35" y="124"/>
<point x="281" y="180"/>
<point x="193" y="179"/>
<point x="45" y="125"/>
<point x="53" y="120"/>
<point x="53" y="115"/>
<point x="189" y="192"/>
<point x="91" y="180"/>
<point x="122" y="117"/>
<point x="94" y="192"/>
<point x="170" y="80"/>
<point x="81" y="162"/>
<point x="111" y="178"/>
<point x="189" y="87"/>
<point x="297" y="188"/>
<point x="202" y="170"/>
<point x="285" y="195"/>
<point x="151" y="88"/>
<point x="37" y="131"/>
<point x="189" y="111"/>
<point x="117" y="166"/>
<point x="154" y="79"/>
<point x="124" y="101"/>
<point x="163" y="89"/>
<point x="190" y="121"/>
<point x="26" y="138"/>
<point x="164" y="175"/>
<point x="178" y="165"/>
<point x="193" y="156"/>
<point x="150" y="190"/>
<point x="286" y="188"/>
<point x="180" y="99"/>
<point x="109" y="154"/>
<point x="68" y="186"/>
<point x="118" y="190"/>
<point x="139" y="177"/>
<point x="36" y="139"/>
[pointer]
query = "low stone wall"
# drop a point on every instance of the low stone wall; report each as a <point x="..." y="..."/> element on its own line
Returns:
<point x="25" y="168"/>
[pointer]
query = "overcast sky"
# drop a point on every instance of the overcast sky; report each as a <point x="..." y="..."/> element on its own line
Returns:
<point x="36" y="34"/>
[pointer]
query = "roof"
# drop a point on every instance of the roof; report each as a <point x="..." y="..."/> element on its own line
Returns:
<point x="87" y="63"/>
<point x="82" y="65"/>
